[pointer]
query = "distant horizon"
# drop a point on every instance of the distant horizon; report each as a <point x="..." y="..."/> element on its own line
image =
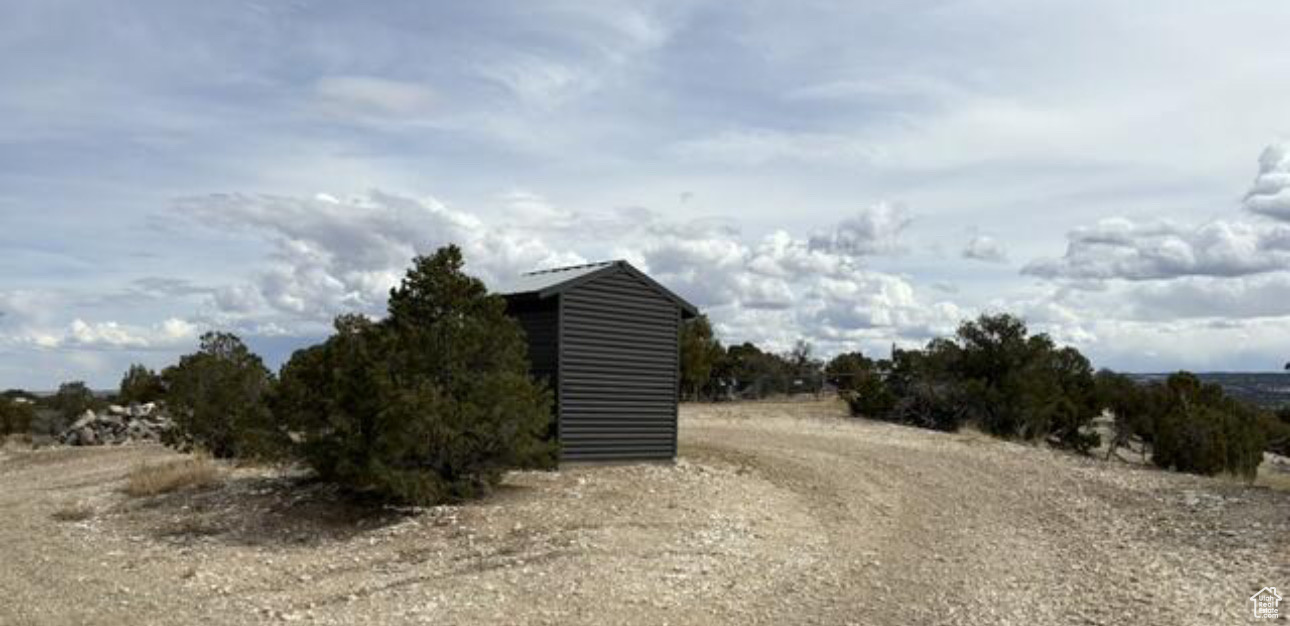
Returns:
<point x="1280" y="372"/>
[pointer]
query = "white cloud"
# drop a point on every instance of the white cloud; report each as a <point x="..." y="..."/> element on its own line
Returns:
<point x="704" y="265"/>
<point x="1199" y="344"/>
<point x="106" y="335"/>
<point x="783" y="288"/>
<point x="760" y="292"/>
<point x="781" y="255"/>
<point x="865" y="300"/>
<point x="531" y="210"/>
<point x="23" y="309"/>
<point x="1270" y="194"/>
<point x="51" y="336"/>
<point x="985" y="248"/>
<point x="329" y="255"/>
<point x="111" y="335"/>
<point x="875" y="230"/>
<point x="332" y="256"/>
<point x="1119" y="248"/>
<point x="1140" y="292"/>
<point x="239" y="299"/>
<point x="1206" y="297"/>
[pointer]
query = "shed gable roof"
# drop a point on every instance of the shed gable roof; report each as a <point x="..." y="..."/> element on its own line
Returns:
<point x="546" y="283"/>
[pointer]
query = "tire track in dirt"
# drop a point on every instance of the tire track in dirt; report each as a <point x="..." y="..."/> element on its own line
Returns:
<point x="940" y="528"/>
<point x="774" y="513"/>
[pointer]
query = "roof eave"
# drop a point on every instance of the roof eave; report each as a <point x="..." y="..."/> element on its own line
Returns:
<point x="559" y="288"/>
<point x="688" y="310"/>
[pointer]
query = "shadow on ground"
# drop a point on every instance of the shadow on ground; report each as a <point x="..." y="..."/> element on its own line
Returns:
<point x="294" y="509"/>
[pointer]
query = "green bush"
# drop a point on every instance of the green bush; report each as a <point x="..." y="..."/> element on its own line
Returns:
<point x="1206" y="440"/>
<point x="868" y="396"/>
<point x="430" y="404"/>
<point x="995" y="374"/>
<point x="15" y="417"/>
<point x="1021" y="385"/>
<point x="218" y="398"/>
<point x="913" y="388"/>
<point x="847" y="370"/>
<point x="700" y="352"/>
<point x="938" y="407"/>
<point x="1131" y="407"/>
<point x="72" y="400"/>
<point x="14" y="394"/>
<point x="1198" y="429"/>
<point x="1276" y="431"/>
<point x="1061" y="397"/>
<point x="140" y="385"/>
<point x="1012" y="384"/>
<point x="752" y="372"/>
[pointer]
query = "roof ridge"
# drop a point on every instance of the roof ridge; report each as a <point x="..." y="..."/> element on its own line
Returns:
<point x="570" y="267"/>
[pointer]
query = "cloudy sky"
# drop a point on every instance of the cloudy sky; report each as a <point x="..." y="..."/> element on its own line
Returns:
<point x="854" y="173"/>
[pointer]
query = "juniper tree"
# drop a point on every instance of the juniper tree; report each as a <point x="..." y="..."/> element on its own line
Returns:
<point x="219" y="397"/>
<point x="1197" y="428"/>
<point x="1130" y="407"/>
<point x="700" y="352"/>
<point x="845" y="370"/>
<point x="431" y="403"/>
<point x="140" y="385"/>
<point x="72" y="399"/>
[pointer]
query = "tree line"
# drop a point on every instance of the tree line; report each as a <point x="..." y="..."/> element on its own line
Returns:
<point x="25" y="413"/>
<point x="711" y="371"/>
<point x="434" y="401"/>
<point x="996" y="375"/>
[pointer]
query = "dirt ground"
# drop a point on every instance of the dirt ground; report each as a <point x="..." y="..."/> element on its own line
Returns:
<point x="774" y="513"/>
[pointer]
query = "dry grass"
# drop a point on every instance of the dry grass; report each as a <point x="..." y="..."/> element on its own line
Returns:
<point x="77" y="512"/>
<point x="16" y="442"/>
<point x="150" y="479"/>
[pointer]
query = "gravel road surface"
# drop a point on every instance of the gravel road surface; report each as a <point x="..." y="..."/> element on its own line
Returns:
<point x="775" y="513"/>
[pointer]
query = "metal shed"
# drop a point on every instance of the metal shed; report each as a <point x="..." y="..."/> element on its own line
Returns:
<point x="606" y="337"/>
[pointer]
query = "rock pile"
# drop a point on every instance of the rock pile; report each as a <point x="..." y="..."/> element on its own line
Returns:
<point x="117" y="425"/>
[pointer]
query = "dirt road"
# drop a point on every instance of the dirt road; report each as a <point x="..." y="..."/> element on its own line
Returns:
<point x="775" y="513"/>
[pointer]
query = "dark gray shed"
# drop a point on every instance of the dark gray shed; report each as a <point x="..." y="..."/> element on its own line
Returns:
<point x="606" y="338"/>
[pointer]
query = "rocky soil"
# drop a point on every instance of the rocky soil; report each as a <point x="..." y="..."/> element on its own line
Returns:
<point x="775" y="513"/>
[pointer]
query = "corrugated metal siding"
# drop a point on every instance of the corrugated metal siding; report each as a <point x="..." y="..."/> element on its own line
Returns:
<point x="618" y="371"/>
<point x="541" y="327"/>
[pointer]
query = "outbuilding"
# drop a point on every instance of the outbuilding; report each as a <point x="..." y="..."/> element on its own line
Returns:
<point x="606" y="338"/>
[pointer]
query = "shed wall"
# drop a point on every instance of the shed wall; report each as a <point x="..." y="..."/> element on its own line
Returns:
<point x="541" y="323"/>
<point x="619" y="362"/>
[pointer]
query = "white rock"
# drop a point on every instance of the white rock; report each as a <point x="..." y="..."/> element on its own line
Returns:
<point x="85" y="418"/>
